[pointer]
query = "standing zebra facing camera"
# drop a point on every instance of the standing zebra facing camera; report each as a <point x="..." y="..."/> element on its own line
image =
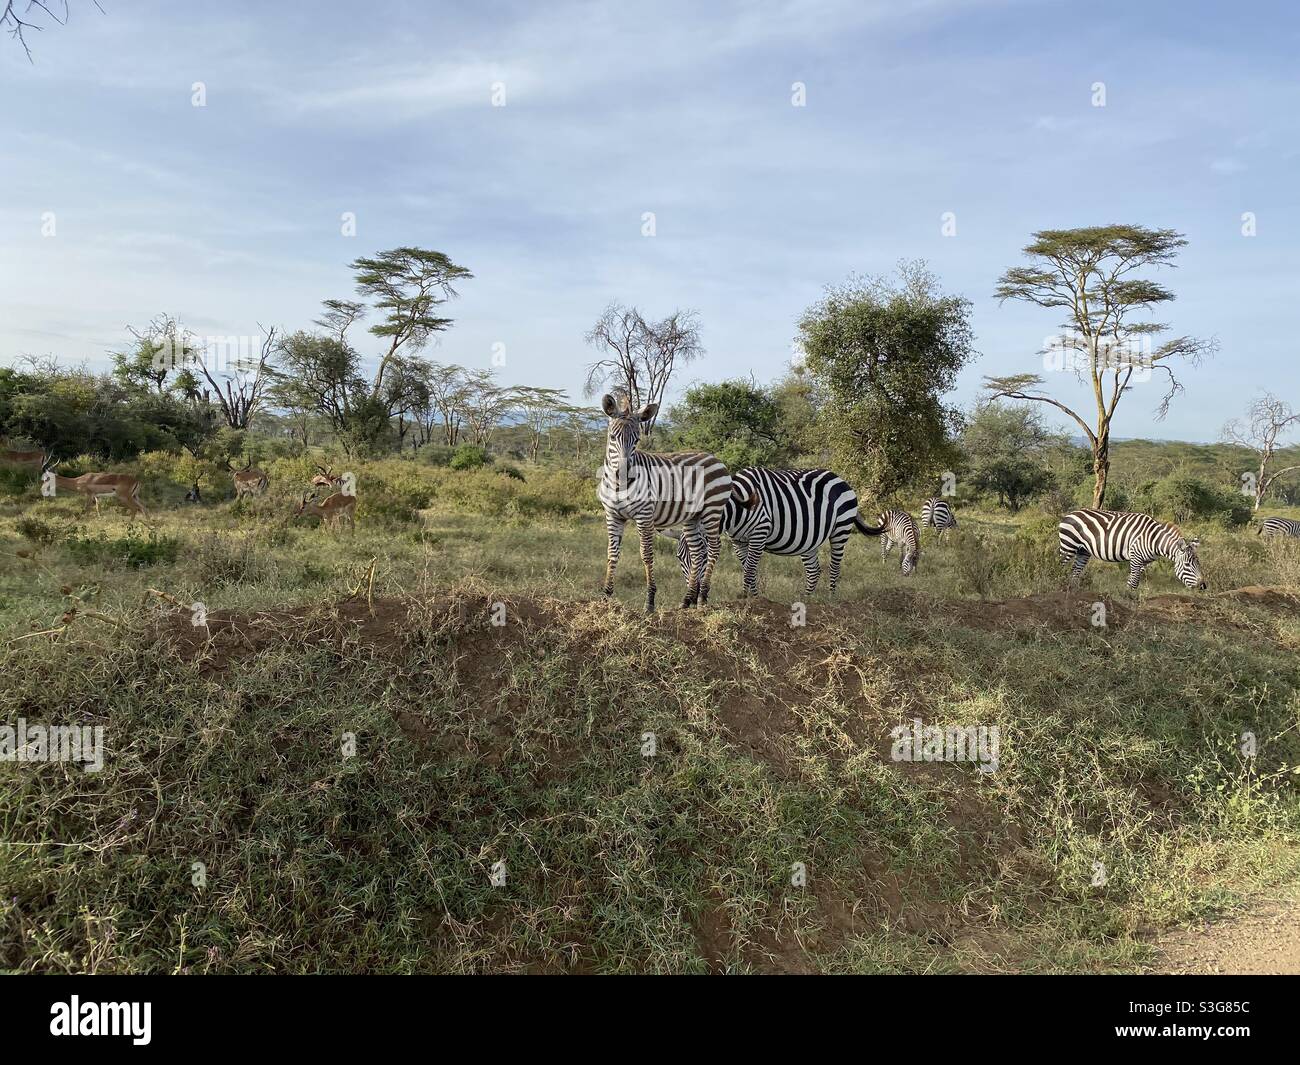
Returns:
<point x="688" y="488"/>
<point x="1119" y="536"/>
<point x="937" y="514"/>
<point x="788" y="512"/>
<point x="899" y="527"/>
<point x="1279" y="527"/>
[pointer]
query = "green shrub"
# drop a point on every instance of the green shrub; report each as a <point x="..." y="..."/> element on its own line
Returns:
<point x="131" y="549"/>
<point x="1180" y="498"/>
<point x="43" y="533"/>
<point x="18" y="481"/>
<point x="468" y="457"/>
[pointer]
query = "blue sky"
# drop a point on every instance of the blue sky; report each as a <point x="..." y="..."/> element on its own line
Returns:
<point x="228" y="215"/>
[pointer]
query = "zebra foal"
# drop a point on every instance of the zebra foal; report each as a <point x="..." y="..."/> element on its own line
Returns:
<point x="654" y="491"/>
<point x="899" y="527"/>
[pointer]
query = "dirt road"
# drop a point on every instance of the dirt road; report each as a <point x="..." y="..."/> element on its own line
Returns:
<point x="1263" y="939"/>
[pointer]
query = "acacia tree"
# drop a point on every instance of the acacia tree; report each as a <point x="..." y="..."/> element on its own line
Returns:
<point x="542" y="409"/>
<point x="319" y="375"/>
<point x="1089" y="274"/>
<point x="484" y="404"/>
<point x="639" y="357"/>
<point x="1267" y="420"/>
<point x="20" y="17"/>
<point x="883" y="352"/>
<point x="244" y="381"/>
<point x="407" y="286"/>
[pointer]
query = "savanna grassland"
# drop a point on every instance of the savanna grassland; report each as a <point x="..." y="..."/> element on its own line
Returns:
<point x="1122" y="803"/>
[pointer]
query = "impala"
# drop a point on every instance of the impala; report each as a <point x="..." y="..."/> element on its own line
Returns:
<point x="96" y="486"/>
<point x="22" y="458"/>
<point x="327" y="478"/>
<point x="332" y="510"/>
<point x="249" y="481"/>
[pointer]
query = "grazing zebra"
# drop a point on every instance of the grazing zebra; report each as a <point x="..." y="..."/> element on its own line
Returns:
<point x="1138" y="539"/>
<point x="788" y="512"/>
<point x="1279" y="527"/>
<point x="899" y="527"/>
<point x="938" y="514"/>
<point x="688" y="488"/>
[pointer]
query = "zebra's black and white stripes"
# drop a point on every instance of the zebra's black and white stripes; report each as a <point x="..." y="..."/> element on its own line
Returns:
<point x="899" y="527"/>
<point x="1279" y="527"/>
<point x="1138" y="539"/>
<point x="789" y="512"/>
<point x="938" y="515"/>
<point x="686" y="488"/>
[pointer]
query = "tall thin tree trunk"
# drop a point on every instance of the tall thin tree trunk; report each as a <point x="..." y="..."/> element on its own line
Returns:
<point x="1100" y="469"/>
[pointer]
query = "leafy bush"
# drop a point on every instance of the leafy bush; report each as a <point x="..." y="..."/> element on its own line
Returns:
<point x="131" y="549"/>
<point x="1181" y="498"/>
<point x="18" y="480"/>
<point x="468" y="457"/>
<point x="41" y="532"/>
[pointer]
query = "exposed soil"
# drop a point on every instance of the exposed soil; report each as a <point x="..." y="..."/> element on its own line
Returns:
<point x="764" y="720"/>
<point x="1262" y="940"/>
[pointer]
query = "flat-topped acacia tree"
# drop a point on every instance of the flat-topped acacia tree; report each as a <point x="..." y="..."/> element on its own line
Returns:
<point x="1090" y="274"/>
<point x="407" y="286"/>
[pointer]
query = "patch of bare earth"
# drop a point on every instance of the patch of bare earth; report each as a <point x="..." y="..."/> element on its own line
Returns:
<point x="1262" y="940"/>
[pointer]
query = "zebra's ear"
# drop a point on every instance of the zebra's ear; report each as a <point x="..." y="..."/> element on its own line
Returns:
<point x="648" y="411"/>
<point x="609" y="406"/>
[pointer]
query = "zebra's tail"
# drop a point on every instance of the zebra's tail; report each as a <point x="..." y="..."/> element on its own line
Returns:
<point x="865" y="529"/>
<point x="743" y="502"/>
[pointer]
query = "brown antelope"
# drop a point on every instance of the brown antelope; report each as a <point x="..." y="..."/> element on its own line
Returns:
<point x="332" y="510"/>
<point x="327" y="478"/>
<point x="21" y="458"/>
<point x="96" y="486"/>
<point x="249" y="481"/>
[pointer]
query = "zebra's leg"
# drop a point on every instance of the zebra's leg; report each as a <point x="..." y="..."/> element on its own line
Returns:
<point x="837" y="556"/>
<point x="885" y="544"/>
<point x="1076" y="570"/>
<point x="1135" y="575"/>
<point x="646" y="528"/>
<point x="740" y="548"/>
<point x="615" y="528"/>
<point x="812" y="571"/>
<point x="694" y="537"/>
<point x="754" y="548"/>
<point x="712" y="528"/>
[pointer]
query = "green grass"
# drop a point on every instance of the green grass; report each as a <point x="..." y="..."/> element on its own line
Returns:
<point x="478" y="744"/>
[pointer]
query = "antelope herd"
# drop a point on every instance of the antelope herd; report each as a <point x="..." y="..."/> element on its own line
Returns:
<point x="249" y="482"/>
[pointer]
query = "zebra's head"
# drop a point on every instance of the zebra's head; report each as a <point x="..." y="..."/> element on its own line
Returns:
<point x="910" y="559"/>
<point x="1187" y="567"/>
<point x="624" y="425"/>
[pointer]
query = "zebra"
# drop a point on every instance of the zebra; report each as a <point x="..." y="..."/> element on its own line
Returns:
<point x="688" y="488"/>
<point x="938" y="514"/>
<point x="1279" y="527"/>
<point x="899" y="527"/>
<point x="1120" y="536"/>
<point x="788" y="512"/>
